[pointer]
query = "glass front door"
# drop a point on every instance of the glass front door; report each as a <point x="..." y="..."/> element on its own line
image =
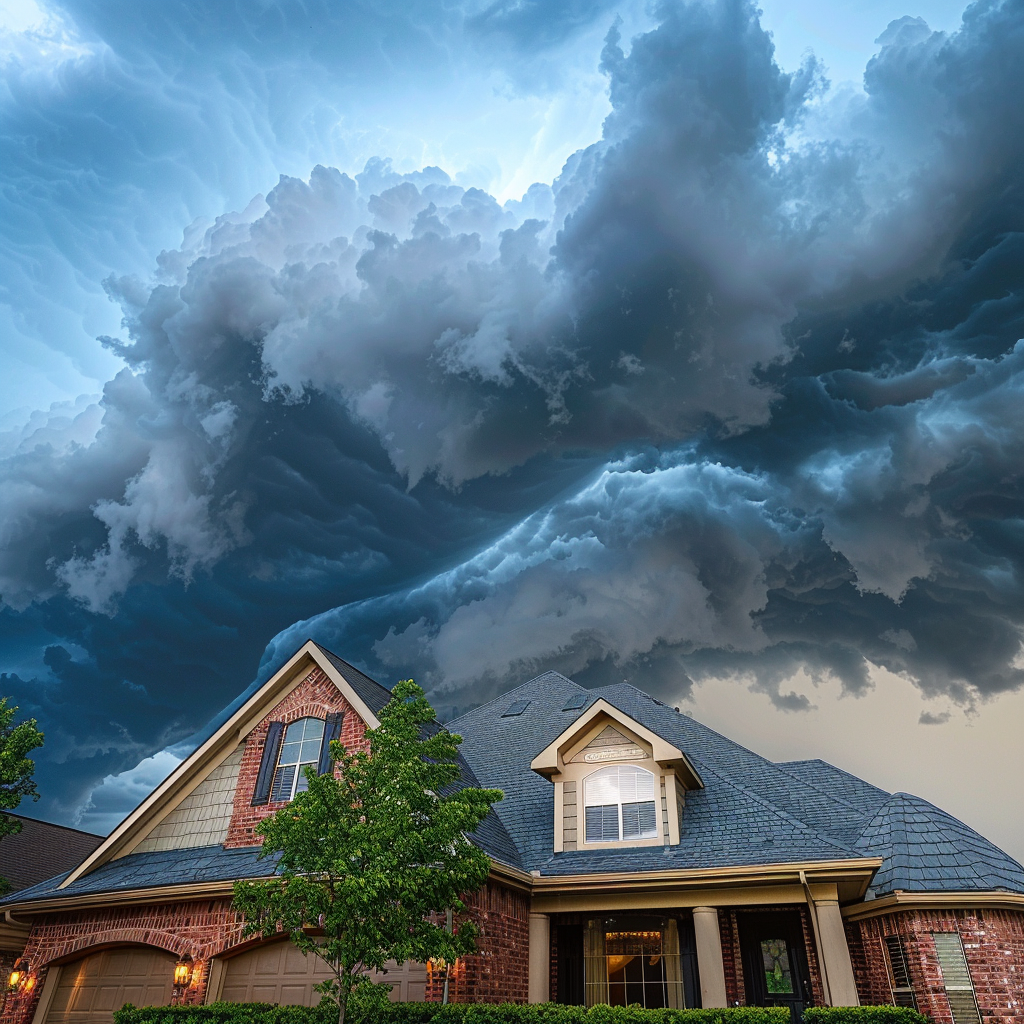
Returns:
<point x="775" y="961"/>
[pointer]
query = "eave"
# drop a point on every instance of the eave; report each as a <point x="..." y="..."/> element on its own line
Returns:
<point x="964" y="900"/>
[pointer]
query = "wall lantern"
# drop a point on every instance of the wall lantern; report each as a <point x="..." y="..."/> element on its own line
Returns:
<point x="183" y="972"/>
<point x="18" y="975"/>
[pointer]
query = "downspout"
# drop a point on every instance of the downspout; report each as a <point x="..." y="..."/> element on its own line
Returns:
<point x="813" y="911"/>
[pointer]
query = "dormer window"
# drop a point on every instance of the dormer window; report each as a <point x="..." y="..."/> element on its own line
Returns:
<point x="619" y="804"/>
<point x="301" y="748"/>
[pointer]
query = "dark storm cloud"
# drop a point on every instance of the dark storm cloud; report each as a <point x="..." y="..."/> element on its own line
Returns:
<point x="737" y="394"/>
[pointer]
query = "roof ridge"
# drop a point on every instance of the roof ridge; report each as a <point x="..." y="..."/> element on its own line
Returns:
<point x="505" y="694"/>
<point x="780" y="811"/>
<point x="53" y="824"/>
<point x="818" y="789"/>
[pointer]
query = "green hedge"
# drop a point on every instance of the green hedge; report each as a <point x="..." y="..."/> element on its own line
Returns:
<point x="863" y="1015"/>
<point x="504" y="1013"/>
<point x="454" y="1013"/>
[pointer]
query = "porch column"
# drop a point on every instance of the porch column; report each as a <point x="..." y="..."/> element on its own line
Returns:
<point x="539" y="987"/>
<point x="836" y="953"/>
<point x="709" y="957"/>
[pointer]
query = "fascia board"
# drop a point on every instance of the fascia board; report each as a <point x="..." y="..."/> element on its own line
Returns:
<point x="665" y="753"/>
<point x="963" y="900"/>
<point x="216" y="749"/>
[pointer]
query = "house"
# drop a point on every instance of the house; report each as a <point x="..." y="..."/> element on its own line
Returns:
<point x="637" y="857"/>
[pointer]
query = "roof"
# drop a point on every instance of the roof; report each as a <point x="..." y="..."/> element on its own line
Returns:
<point x="42" y="849"/>
<point x="372" y="693"/>
<point x="926" y="849"/>
<point x="750" y="812"/>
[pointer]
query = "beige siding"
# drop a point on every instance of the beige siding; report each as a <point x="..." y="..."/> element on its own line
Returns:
<point x="202" y="818"/>
<point x="569" y="818"/>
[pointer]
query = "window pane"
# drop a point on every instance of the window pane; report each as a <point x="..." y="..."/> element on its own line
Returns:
<point x="777" y="974"/>
<point x="639" y="821"/>
<point x="283" y="779"/>
<point x="294" y="732"/>
<point x="301" y="782"/>
<point x="602" y="823"/>
<point x="289" y="753"/>
<point x="602" y="787"/>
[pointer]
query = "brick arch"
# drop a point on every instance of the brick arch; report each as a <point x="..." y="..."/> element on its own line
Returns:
<point x="86" y="945"/>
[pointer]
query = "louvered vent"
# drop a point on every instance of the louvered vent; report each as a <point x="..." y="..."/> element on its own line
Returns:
<point x="956" y="978"/>
<point x="902" y="991"/>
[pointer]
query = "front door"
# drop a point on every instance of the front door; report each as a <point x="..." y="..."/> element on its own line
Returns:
<point x="775" y="961"/>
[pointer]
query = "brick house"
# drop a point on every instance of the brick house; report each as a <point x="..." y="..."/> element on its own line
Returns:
<point x="637" y="857"/>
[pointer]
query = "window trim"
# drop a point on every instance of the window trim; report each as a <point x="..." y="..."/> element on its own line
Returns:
<point x="299" y="765"/>
<point x="621" y="840"/>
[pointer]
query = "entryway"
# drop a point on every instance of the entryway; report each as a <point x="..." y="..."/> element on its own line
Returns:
<point x="775" y="961"/>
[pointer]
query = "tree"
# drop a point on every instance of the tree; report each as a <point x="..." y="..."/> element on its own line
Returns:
<point x="16" y="768"/>
<point x="373" y="853"/>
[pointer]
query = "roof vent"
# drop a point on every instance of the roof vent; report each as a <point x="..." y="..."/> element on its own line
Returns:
<point x="575" y="701"/>
<point x="517" y="708"/>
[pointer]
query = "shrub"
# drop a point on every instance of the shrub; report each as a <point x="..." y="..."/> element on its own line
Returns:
<point x="863" y="1015"/>
<point x="456" y="1013"/>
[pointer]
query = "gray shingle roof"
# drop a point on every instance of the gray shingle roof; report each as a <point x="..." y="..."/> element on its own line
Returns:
<point x="750" y="811"/>
<point x="924" y="848"/>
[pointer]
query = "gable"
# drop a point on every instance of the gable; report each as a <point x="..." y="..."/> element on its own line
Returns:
<point x="203" y="817"/>
<point x="188" y="809"/>
<point x="610" y="744"/>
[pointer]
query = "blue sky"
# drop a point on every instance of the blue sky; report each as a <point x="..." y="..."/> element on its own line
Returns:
<point x="674" y="343"/>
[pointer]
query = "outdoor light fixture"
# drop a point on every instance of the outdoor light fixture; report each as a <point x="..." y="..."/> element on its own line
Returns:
<point x="17" y="976"/>
<point x="183" y="972"/>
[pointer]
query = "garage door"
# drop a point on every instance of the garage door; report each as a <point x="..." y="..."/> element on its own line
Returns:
<point x="279" y="973"/>
<point x="91" y="989"/>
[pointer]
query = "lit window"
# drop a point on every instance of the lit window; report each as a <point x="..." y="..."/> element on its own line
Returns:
<point x="619" y="804"/>
<point x="301" y="748"/>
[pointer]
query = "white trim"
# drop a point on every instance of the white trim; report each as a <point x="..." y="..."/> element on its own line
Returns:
<point x="49" y="991"/>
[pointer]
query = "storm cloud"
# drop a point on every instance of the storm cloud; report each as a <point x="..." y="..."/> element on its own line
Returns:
<point x="738" y="393"/>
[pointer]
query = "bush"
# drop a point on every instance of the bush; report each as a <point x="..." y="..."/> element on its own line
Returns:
<point x="863" y="1015"/>
<point x="456" y="1013"/>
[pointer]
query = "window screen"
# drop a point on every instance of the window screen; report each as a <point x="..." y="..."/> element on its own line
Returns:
<point x="899" y="971"/>
<point x="956" y="978"/>
<point x="301" y="747"/>
<point x="619" y="804"/>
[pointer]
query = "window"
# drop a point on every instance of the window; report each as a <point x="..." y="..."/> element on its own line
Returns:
<point x="899" y="973"/>
<point x="619" y="804"/>
<point x="956" y="978"/>
<point x="301" y="747"/>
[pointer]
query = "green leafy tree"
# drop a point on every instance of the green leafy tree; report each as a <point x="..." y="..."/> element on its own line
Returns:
<point x="373" y="854"/>
<point x="16" y="768"/>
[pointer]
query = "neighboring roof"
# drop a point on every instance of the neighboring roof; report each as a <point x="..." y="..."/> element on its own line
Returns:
<point x="926" y="849"/>
<point x="42" y="849"/>
<point x="751" y="811"/>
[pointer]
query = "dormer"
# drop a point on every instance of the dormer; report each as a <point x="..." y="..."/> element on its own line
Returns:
<point x="617" y="784"/>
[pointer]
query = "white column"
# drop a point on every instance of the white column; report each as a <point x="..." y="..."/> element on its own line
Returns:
<point x="539" y="987"/>
<point x="836" y="953"/>
<point x="709" y="957"/>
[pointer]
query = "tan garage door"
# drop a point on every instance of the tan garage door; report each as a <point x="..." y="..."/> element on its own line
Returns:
<point x="91" y="989"/>
<point x="279" y="973"/>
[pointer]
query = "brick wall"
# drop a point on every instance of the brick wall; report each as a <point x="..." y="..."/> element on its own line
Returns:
<point x="993" y="942"/>
<point x="200" y="929"/>
<point x="314" y="697"/>
<point x="499" y="973"/>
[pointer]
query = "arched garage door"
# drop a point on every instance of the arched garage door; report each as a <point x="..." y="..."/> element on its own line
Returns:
<point x="91" y="989"/>
<point x="279" y="973"/>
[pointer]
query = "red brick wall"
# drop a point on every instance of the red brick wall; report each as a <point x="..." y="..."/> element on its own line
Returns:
<point x="993" y="943"/>
<point x="499" y="973"/>
<point x="200" y="929"/>
<point x="314" y="697"/>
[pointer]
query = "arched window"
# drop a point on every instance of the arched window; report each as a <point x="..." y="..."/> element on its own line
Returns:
<point x="619" y="804"/>
<point x="301" y="747"/>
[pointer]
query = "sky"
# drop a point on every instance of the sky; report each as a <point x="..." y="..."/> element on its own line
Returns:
<point x="675" y="343"/>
